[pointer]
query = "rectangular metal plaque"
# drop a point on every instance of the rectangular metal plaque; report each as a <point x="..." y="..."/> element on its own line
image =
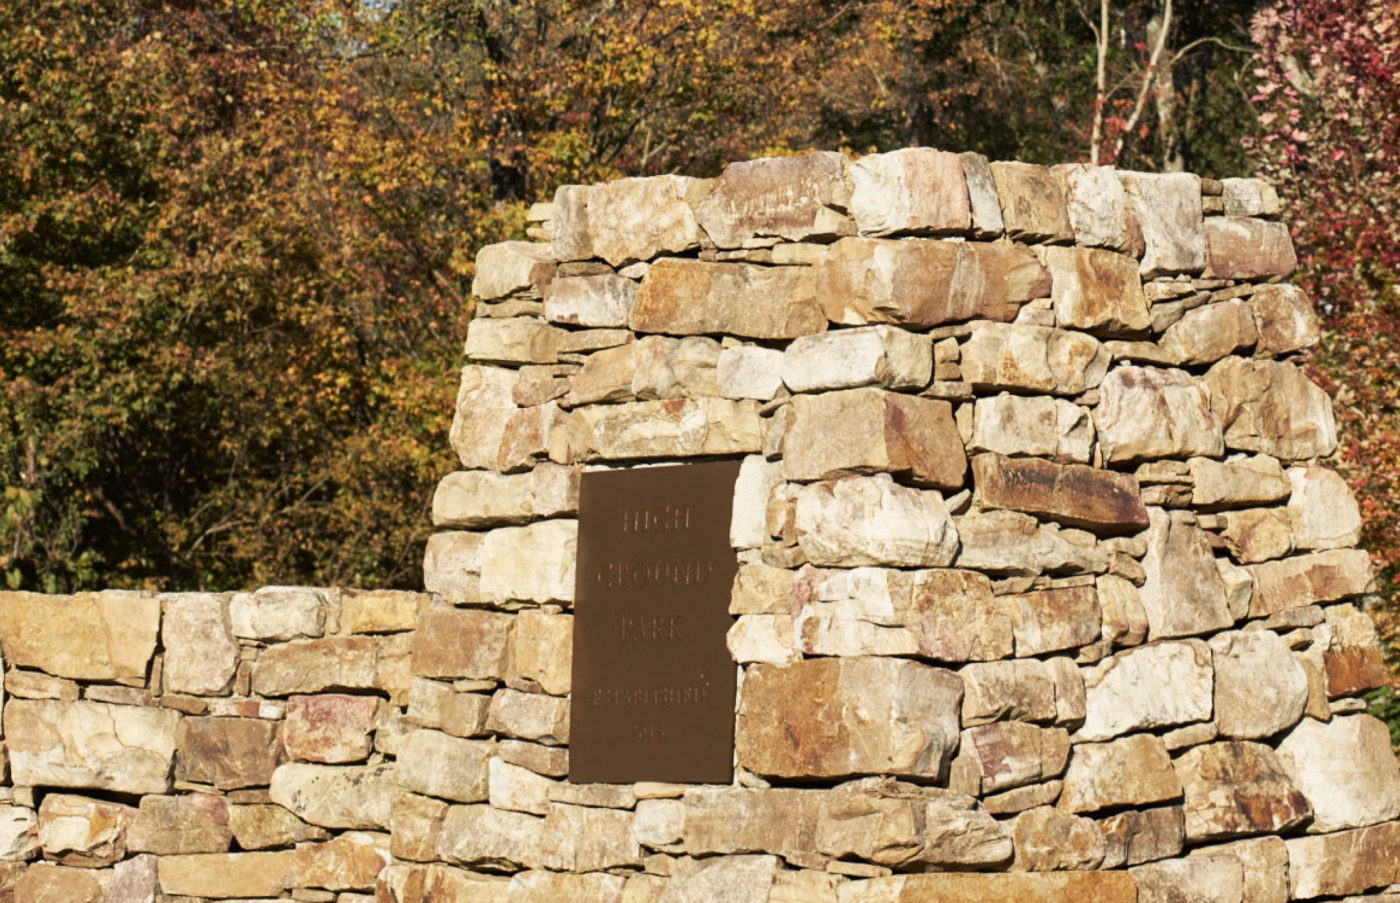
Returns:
<point x="653" y="682"/>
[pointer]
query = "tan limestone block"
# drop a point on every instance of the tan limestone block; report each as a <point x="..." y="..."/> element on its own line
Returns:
<point x="694" y="297"/>
<point x="89" y="636"/>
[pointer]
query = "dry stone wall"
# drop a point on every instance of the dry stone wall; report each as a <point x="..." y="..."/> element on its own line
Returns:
<point x="1043" y="592"/>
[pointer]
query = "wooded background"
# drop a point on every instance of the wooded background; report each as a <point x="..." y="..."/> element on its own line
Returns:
<point x="236" y="238"/>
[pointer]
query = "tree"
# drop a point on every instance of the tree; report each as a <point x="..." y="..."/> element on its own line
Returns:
<point x="1328" y="91"/>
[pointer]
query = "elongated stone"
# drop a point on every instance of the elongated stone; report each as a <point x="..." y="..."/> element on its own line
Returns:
<point x="1309" y="579"/>
<point x="694" y="297"/>
<point x="1032" y="358"/>
<point x="1100" y="501"/>
<point x="534" y="563"/>
<point x="1239" y="247"/>
<point x="1271" y="407"/>
<point x="480" y="498"/>
<point x="1008" y="542"/>
<point x="1345" y="769"/>
<point x="1236" y="788"/>
<point x="126" y="749"/>
<point x="88" y="636"/>
<point x="1155" y="686"/>
<point x="336" y="796"/>
<point x="870" y="355"/>
<point x="679" y="428"/>
<point x="229" y="753"/>
<point x="1184" y="594"/>
<point x="925" y="283"/>
<point x="1097" y="291"/>
<point x="1132" y="770"/>
<point x="597" y="301"/>
<point x="794" y="198"/>
<point x="872" y="521"/>
<point x="507" y="267"/>
<point x="911" y="191"/>
<point x="1033" y="425"/>
<point x="627" y="219"/>
<point x="1347" y="862"/>
<point x="1030" y="887"/>
<point x="1148" y="413"/>
<point x="461" y="643"/>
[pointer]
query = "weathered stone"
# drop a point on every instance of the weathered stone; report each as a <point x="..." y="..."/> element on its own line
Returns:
<point x="769" y="638"/>
<point x="189" y="823"/>
<point x="127" y="749"/>
<point x="228" y="753"/>
<point x="1271" y="407"/>
<point x="1024" y="887"/>
<point x="1206" y="334"/>
<point x="1195" y="879"/>
<point x="730" y="879"/>
<point x="481" y="498"/>
<point x="88" y="636"/>
<point x="749" y="371"/>
<point x="527" y="436"/>
<point x="336" y="796"/>
<point x="423" y="883"/>
<point x="278" y="613"/>
<point x="679" y="428"/>
<point x="869" y="355"/>
<point x="1308" y="579"/>
<point x="587" y="839"/>
<point x="534" y="563"/>
<point x="351" y="861"/>
<point x="541" y="650"/>
<point x="461" y="642"/>
<point x="1097" y="291"/>
<point x="1124" y="618"/>
<point x="1132" y="770"/>
<point x="134" y="881"/>
<point x="540" y="886"/>
<point x="948" y="615"/>
<point x="1154" y="686"/>
<point x="452" y="566"/>
<point x="1022" y="690"/>
<point x="1256" y="534"/>
<point x="597" y="301"/>
<point x="19" y="834"/>
<point x="516" y="788"/>
<point x="896" y="824"/>
<point x="435" y="704"/>
<point x="529" y="716"/>
<point x="1098" y="208"/>
<point x="260" y="827"/>
<point x="1032" y="358"/>
<point x="376" y="611"/>
<point x="1240" y="247"/>
<point x="626" y="219"/>
<point x="484" y="406"/>
<point x="201" y="654"/>
<point x="1008" y="542"/>
<point x="872" y="521"/>
<point x="743" y="820"/>
<point x="1321" y="510"/>
<point x="1143" y="835"/>
<point x="511" y="266"/>
<point x="1259" y="688"/>
<point x="1033" y="425"/>
<point x="1250" y="197"/>
<point x="911" y="191"/>
<point x="1286" y="318"/>
<point x="694" y="297"/>
<point x="1353" y="662"/>
<point x="655" y="367"/>
<point x="1013" y="753"/>
<point x="833" y="717"/>
<point x="1236" y="788"/>
<point x="1047" y="840"/>
<point x="1167" y="207"/>
<point x="1184" y="594"/>
<point x="1148" y="413"/>
<point x="1265" y="865"/>
<point x="1101" y="501"/>
<point x="1345" y="769"/>
<point x="75" y="830"/>
<point x="547" y="760"/>
<point x="869" y="430"/>
<point x="225" y="875"/>
<point x="310" y="666"/>
<point x="1348" y="862"/>
<point x="982" y="195"/>
<point x="1054" y="619"/>
<point x="925" y="283"/>
<point x="38" y="685"/>
<point x="496" y="839"/>
<point x="1239" y="482"/>
<point x="761" y="589"/>
<point x="512" y="340"/>
<point x="330" y="728"/>
<point x="45" y="883"/>
<point x="415" y="825"/>
<point x="754" y="494"/>
<point x="1032" y="203"/>
<point x="435" y="764"/>
<point x="793" y="198"/>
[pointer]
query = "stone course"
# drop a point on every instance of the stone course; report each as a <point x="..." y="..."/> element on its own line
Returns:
<point x="1046" y="591"/>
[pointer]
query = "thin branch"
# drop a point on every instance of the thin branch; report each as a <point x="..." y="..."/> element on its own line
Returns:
<point x="1100" y="81"/>
<point x="1208" y="40"/>
<point x="1149" y="76"/>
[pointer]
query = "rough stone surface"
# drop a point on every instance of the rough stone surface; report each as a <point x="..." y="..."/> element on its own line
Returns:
<point x="1286" y="319"/>
<point x="598" y="301"/>
<point x="88" y="636"/>
<point x="1022" y="690"/>
<point x="1271" y="407"/>
<point x="846" y="358"/>
<point x="925" y="283"/>
<point x="868" y="430"/>
<point x="75" y="830"/>
<point x="259" y="827"/>
<point x="1194" y="879"/>
<point x="872" y="521"/>
<point x="1183" y="594"/>
<point x="1075" y="495"/>
<point x="336" y="796"/>
<point x="1033" y="425"/>
<point x="1098" y="208"/>
<point x="1143" y="835"/>
<point x="190" y="823"/>
<point x="452" y="566"/>
<point x="461" y="643"/>
<point x="1008" y="542"/>
<point x="1308" y="579"/>
<point x="1156" y="686"/>
<point x="1345" y="769"/>
<point x="228" y="753"/>
<point x="1347" y="862"/>
<point x="1097" y="291"/>
<point x="748" y="371"/>
<point x="534" y="563"/>
<point x="329" y="728"/>
<point x="1032" y="358"/>
<point x="1132" y="770"/>
<point x="693" y="297"/>
<point x="310" y="666"/>
<point x="679" y="428"/>
<point x="783" y="197"/>
<point x="1031" y="887"/>
<point x="201" y="653"/>
<point x="125" y="749"/>
<point x="858" y="715"/>
<point x="626" y="219"/>
<point x="1054" y="619"/>
<point x="511" y="266"/>
<point x="1206" y="334"/>
<point x="1149" y="413"/>
<point x="1322" y="512"/>
<point x="1260" y="689"/>
<point x="1167" y="207"/>
<point x="1239" y="247"/>
<point x="513" y="340"/>
<point x="1236" y="788"/>
<point x="479" y="498"/>
<point x="1049" y="840"/>
<point x="911" y="191"/>
<point x="223" y="875"/>
<point x="1032" y="203"/>
<point x="1238" y="482"/>
<point x="655" y="367"/>
<point x="541" y="651"/>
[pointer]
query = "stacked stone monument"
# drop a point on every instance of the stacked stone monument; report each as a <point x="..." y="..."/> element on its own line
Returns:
<point x="1043" y="592"/>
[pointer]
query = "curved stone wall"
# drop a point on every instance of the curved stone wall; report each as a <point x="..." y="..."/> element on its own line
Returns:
<point x="1042" y="591"/>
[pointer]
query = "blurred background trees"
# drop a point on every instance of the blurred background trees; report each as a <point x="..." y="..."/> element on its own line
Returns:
<point x="236" y="238"/>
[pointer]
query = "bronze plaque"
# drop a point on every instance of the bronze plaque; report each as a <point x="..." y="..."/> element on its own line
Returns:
<point x="653" y="686"/>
